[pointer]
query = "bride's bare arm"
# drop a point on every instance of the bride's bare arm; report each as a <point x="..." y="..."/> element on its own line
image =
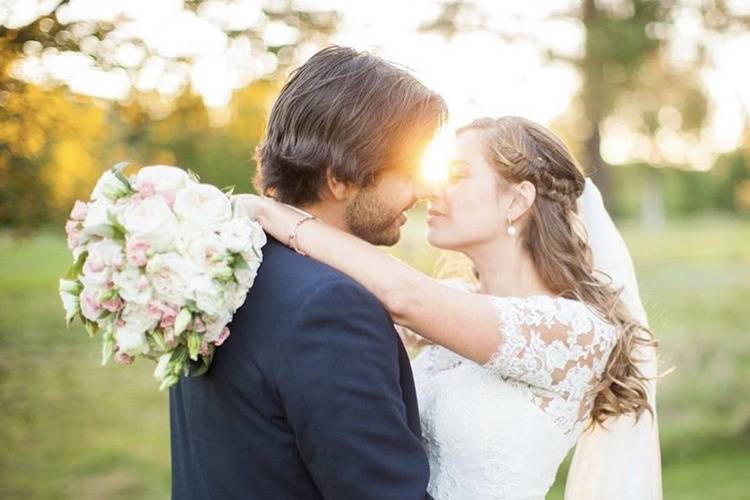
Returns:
<point x="411" y="339"/>
<point x="460" y="321"/>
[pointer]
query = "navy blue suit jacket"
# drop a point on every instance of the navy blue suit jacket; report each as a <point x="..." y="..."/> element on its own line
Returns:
<point x="310" y="397"/>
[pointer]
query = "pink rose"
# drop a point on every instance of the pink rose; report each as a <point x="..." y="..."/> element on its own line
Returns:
<point x="145" y="188"/>
<point x="199" y="325"/>
<point x="75" y="238"/>
<point x="123" y="359"/>
<point x="222" y="336"/>
<point x="167" y="321"/>
<point x="90" y="306"/>
<point x="169" y="339"/>
<point x="154" y="309"/>
<point x="136" y="252"/>
<point x="204" y="351"/>
<point x="71" y="226"/>
<point x="114" y="305"/>
<point x="92" y="266"/>
<point x="165" y="313"/>
<point x="80" y="209"/>
<point x="169" y="197"/>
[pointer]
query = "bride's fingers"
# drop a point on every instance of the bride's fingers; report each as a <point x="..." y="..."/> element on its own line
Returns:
<point x="246" y="204"/>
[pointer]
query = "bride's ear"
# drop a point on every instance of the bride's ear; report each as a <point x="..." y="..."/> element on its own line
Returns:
<point x="524" y="195"/>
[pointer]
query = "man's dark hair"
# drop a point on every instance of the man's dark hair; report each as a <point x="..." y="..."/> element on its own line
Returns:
<point x="348" y="112"/>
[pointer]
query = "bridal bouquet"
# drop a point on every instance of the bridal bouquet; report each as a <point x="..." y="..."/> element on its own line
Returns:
<point x="160" y="264"/>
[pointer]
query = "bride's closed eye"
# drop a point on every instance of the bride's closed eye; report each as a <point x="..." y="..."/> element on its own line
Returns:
<point x="457" y="171"/>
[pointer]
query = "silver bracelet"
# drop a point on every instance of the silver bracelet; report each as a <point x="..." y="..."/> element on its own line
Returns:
<point x="292" y="242"/>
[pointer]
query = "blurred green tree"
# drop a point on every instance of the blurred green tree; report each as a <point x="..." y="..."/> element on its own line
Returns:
<point x="54" y="143"/>
<point x="638" y="66"/>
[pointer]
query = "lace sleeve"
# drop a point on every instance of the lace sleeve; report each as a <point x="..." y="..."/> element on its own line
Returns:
<point x="554" y="344"/>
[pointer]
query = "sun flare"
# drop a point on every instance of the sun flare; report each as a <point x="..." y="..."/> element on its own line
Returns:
<point x="437" y="157"/>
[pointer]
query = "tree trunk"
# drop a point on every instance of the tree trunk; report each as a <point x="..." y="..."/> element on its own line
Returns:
<point x="593" y="95"/>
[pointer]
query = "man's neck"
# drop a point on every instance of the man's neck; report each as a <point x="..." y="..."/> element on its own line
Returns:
<point x="329" y="213"/>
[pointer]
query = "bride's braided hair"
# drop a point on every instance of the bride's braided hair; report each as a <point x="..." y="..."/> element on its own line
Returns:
<point x="554" y="236"/>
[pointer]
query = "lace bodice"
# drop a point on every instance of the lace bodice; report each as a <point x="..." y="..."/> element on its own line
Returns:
<point x="500" y="430"/>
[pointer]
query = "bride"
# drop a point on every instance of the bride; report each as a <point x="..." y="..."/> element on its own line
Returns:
<point x="544" y="352"/>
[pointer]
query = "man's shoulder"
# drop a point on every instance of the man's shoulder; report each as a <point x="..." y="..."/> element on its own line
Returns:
<point x="293" y="274"/>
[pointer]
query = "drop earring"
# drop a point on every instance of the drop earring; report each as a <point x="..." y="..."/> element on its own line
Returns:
<point x="512" y="231"/>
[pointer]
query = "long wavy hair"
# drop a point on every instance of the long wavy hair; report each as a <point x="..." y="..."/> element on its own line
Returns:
<point x="554" y="236"/>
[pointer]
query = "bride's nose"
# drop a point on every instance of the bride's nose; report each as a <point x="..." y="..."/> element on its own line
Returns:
<point x="427" y="191"/>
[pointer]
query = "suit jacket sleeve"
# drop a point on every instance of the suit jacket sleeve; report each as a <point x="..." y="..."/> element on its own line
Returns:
<point x="339" y="382"/>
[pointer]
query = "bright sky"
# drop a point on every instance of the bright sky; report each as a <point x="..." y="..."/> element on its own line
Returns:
<point x="479" y="75"/>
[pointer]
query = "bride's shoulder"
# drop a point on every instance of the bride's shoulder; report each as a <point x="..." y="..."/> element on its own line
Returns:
<point x="561" y="310"/>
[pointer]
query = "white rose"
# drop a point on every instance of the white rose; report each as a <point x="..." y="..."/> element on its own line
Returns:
<point x="205" y="250"/>
<point x="97" y="221"/>
<point x="105" y="257"/>
<point x="246" y="277"/>
<point x="214" y="326"/>
<point x="258" y="236"/>
<point x="130" y="340"/>
<point x="150" y="220"/>
<point x="138" y="317"/>
<point x="235" y="295"/>
<point x="109" y="186"/>
<point x="132" y="285"/>
<point x="91" y="306"/>
<point x="131" y="336"/>
<point x="170" y="275"/>
<point x="209" y="295"/>
<point x="93" y="276"/>
<point x="237" y="234"/>
<point x="254" y="255"/>
<point x="161" y="178"/>
<point x="105" y="253"/>
<point x="202" y="206"/>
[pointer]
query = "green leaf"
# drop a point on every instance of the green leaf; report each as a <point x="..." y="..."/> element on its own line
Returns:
<point x="76" y="267"/>
<point x="169" y="381"/>
<point x="118" y="228"/>
<point x="238" y="263"/>
<point x="91" y="327"/>
<point x="108" y="350"/>
<point x="205" y="364"/>
<point x="193" y="175"/>
<point x="182" y="320"/>
<point x="158" y="340"/>
<point x="194" y="344"/>
<point x="117" y="170"/>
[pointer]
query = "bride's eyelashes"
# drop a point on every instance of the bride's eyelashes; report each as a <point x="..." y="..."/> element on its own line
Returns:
<point x="458" y="173"/>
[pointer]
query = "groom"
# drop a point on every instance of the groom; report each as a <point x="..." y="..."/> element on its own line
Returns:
<point x="312" y="395"/>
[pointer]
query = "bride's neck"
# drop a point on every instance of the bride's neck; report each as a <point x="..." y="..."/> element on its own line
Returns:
<point x="506" y="270"/>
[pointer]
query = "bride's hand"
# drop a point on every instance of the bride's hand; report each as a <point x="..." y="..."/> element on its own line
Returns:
<point x="276" y="218"/>
<point x="250" y="205"/>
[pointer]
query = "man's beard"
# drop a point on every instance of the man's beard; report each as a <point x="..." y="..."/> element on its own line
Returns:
<point x="369" y="218"/>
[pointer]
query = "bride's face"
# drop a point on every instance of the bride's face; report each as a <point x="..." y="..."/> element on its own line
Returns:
<point x="470" y="208"/>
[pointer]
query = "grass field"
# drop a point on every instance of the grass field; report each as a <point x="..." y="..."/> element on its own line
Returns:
<point x="72" y="429"/>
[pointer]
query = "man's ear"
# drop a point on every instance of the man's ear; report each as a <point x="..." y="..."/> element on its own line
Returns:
<point x="340" y="190"/>
<point x="524" y="195"/>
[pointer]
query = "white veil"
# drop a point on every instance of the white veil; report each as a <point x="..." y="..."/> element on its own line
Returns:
<point x="623" y="461"/>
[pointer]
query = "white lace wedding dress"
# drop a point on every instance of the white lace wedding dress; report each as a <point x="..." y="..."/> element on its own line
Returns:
<point x="501" y="430"/>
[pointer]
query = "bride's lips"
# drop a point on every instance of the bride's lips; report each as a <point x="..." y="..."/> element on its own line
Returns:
<point x="433" y="214"/>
